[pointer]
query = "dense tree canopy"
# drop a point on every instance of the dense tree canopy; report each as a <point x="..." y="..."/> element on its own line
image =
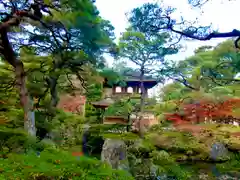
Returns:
<point x="64" y="43"/>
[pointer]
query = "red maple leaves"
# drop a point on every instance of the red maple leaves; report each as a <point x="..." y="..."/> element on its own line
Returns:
<point x="205" y="110"/>
<point x="176" y="118"/>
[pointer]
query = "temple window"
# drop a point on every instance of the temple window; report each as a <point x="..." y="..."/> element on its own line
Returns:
<point x="130" y="90"/>
<point x="118" y="89"/>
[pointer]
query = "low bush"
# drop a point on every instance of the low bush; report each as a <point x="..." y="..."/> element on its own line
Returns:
<point x="17" y="141"/>
<point x="55" y="164"/>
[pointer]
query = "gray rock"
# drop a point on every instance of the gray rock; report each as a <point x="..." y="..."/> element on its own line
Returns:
<point x="227" y="177"/>
<point x="219" y="152"/>
<point x="115" y="154"/>
<point x="203" y="176"/>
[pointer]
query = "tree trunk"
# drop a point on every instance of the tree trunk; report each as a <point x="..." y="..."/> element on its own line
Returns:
<point x="129" y="122"/>
<point x="53" y="91"/>
<point x="197" y="105"/>
<point x="29" y="118"/>
<point x="142" y="102"/>
<point x="9" y="55"/>
<point x="53" y="80"/>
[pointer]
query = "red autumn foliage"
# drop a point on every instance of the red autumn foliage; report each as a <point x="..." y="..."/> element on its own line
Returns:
<point x="176" y="118"/>
<point x="205" y="110"/>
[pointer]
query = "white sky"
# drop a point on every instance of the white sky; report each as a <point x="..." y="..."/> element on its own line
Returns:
<point x="221" y="13"/>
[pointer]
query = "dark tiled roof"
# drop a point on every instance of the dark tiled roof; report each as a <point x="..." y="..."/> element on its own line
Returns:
<point x="103" y="103"/>
<point x="135" y="76"/>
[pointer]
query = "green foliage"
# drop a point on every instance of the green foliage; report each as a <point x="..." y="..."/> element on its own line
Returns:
<point x="231" y="166"/>
<point x="124" y="136"/>
<point x="207" y="75"/>
<point x="17" y="141"/>
<point x="67" y="129"/>
<point x="112" y="77"/>
<point x="72" y="51"/>
<point x="58" y="165"/>
<point x="70" y="48"/>
<point x="178" y="142"/>
<point x="147" y="162"/>
<point x="94" y="92"/>
<point x="142" y="18"/>
<point x="143" y="50"/>
<point x="167" y="165"/>
<point x="94" y="139"/>
<point x="7" y="78"/>
<point x="146" y="51"/>
<point x="123" y="108"/>
<point x="207" y="69"/>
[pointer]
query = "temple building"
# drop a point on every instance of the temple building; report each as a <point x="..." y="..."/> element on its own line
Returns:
<point x="117" y="91"/>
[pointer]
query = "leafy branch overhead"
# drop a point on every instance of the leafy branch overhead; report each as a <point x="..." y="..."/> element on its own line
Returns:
<point x="208" y="67"/>
<point x="153" y="18"/>
<point x="68" y="37"/>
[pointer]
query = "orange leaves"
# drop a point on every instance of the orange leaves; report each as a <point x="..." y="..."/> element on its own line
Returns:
<point x="77" y="154"/>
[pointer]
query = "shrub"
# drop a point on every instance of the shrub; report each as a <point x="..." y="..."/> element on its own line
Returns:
<point x="64" y="128"/>
<point x="17" y="141"/>
<point x="11" y="139"/>
<point x="56" y="165"/>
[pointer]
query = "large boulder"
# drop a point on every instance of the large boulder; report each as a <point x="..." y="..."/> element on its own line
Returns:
<point x="219" y="152"/>
<point x="114" y="153"/>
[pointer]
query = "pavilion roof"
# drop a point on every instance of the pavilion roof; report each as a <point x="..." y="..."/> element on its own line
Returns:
<point x="103" y="103"/>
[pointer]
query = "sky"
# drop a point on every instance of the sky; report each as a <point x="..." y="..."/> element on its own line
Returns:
<point x="219" y="13"/>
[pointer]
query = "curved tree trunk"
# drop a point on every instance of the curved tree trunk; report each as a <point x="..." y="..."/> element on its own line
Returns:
<point x="9" y="55"/>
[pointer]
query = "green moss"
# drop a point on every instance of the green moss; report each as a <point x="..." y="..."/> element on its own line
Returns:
<point x="177" y="142"/>
<point x="229" y="128"/>
<point x="173" y="148"/>
<point x="166" y="164"/>
<point x="233" y="144"/>
<point x="141" y="149"/>
<point x="162" y="157"/>
<point x="185" y="147"/>
<point x="123" y="136"/>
